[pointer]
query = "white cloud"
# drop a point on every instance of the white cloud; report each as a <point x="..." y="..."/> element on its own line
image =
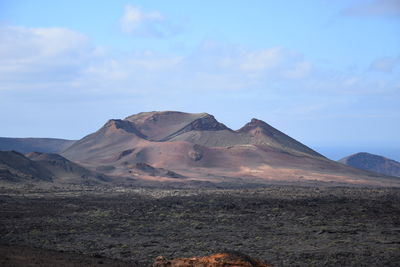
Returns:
<point x="272" y="63"/>
<point x="19" y="42"/>
<point x="276" y="61"/>
<point x="61" y="59"/>
<point x="299" y="70"/>
<point x="151" y="24"/>
<point x="385" y="8"/>
<point x="386" y="64"/>
<point x="42" y="54"/>
<point x="57" y="69"/>
<point x="133" y="17"/>
<point x="265" y="59"/>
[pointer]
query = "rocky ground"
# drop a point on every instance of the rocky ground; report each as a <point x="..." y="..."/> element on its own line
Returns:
<point x="283" y="226"/>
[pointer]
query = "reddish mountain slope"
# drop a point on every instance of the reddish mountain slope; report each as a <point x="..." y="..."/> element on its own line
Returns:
<point x="198" y="147"/>
<point x="162" y="126"/>
<point x="225" y="259"/>
<point x="114" y="136"/>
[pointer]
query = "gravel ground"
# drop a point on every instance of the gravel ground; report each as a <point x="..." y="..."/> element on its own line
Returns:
<point x="284" y="226"/>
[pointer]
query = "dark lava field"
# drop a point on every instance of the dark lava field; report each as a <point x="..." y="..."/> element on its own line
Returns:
<point x="283" y="226"/>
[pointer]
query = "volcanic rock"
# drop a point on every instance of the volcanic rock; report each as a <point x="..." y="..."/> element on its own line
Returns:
<point x="225" y="259"/>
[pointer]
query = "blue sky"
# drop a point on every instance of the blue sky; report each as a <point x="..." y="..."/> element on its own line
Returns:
<point x="325" y="72"/>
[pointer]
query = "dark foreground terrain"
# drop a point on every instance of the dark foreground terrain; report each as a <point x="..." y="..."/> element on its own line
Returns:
<point x="284" y="226"/>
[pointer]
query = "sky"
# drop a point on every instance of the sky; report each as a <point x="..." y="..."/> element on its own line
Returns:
<point x="325" y="72"/>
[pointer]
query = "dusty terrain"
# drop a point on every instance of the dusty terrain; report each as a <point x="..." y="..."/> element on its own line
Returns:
<point x="283" y="226"/>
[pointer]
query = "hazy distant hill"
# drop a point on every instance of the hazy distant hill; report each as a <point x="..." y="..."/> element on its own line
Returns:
<point x="26" y="145"/>
<point x="373" y="163"/>
<point x="198" y="147"/>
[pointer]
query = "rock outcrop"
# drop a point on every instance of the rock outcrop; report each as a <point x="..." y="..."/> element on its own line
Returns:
<point x="225" y="259"/>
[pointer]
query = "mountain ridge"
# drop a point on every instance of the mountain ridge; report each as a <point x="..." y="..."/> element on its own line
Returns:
<point x="172" y="147"/>
<point x="198" y="147"/>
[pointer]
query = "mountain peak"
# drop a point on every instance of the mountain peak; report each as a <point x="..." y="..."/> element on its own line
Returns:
<point x="154" y="115"/>
<point x="116" y="124"/>
<point x="163" y="125"/>
<point x="207" y="122"/>
<point x="256" y="123"/>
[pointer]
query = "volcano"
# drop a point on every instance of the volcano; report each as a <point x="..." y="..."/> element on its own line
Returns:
<point x="198" y="147"/>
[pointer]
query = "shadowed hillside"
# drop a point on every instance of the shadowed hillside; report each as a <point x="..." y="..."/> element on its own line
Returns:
<point x="15" y="167"/>
<point x="43" y="167"/>
<point x="371" y="162"/>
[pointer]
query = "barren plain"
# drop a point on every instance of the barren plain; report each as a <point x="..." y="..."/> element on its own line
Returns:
<point x="282" y="225"/>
